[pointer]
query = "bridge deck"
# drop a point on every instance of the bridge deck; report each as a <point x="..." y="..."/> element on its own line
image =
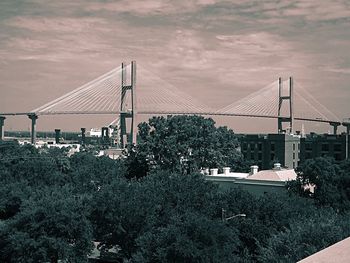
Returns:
<point x="165" y="113"/>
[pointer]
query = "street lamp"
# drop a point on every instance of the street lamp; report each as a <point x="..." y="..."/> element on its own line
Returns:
<point x="225" y="219"/>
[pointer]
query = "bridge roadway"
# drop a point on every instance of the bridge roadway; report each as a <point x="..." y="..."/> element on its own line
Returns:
<point x="332" y="122"/>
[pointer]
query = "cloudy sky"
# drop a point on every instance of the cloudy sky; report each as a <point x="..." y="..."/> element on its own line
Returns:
<point x="217" y="51"/>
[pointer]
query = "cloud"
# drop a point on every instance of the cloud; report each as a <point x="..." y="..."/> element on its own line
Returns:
<point x="260" y="43"/>
<point x="315" y="10"/>
<point x="337" y="70"/>
<point x="150" y="7"/>
<point x="213" y="49"/>
<point x="58" y="24"/>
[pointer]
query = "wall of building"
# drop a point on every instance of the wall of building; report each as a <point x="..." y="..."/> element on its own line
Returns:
<point x="325" y="145"/>
<point x="264" y="150"/>
<point x="255" y="187"/>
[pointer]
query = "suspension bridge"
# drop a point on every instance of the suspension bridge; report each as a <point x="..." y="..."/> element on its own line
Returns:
<point x="117" y="93"/>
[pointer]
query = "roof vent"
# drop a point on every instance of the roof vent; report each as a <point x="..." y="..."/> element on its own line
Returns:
<point x="214" y="171"/>
<point x="226" y="170"/>
<point x="253" y="169"/>
<point x="277" y="166"/>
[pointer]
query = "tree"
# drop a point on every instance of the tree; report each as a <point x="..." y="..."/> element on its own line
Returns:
<point x="88" y="172"/>
<point x="182" y="144"/>
<point x="330" y="181"/>
<point x="305" y="237"/>
<point x="51" y="225"/>
<point x="125" y="210"/>
<point x="190" y="237"/>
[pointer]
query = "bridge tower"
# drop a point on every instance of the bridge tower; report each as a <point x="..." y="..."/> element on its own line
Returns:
<point x="128" y="113"/>
<point x="289" y="97"/>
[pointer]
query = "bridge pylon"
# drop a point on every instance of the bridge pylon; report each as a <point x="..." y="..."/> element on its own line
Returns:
<point x="289" y="97"/>
<point x="125" y="112"/>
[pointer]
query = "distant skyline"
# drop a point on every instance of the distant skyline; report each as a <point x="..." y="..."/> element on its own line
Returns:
<point x="216" y="51"/>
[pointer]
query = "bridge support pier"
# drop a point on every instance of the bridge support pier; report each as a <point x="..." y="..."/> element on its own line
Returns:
<point x="57" y="136"/>
<point x="83" y="130"/>
<point x="335" y="126"/>
<point x="33" y="117"/>
<point x="2" y="129"/>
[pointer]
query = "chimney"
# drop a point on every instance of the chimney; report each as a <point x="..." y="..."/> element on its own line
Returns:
<point x="57" y="136"/>
<point x="253" y="169"/>
<point x="214" y="171"/>
<point x="277" y="166"/>
<point x="226" y="170"/>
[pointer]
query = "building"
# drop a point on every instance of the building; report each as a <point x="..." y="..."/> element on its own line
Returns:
<point x="291" y="150"/>
<point x="326" y="145"/>
<point x="256" y="182"/>
<point x="265" y="150"/>
<point x="94" y="132"/>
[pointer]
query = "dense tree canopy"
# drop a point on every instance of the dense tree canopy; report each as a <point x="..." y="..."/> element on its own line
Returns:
<point x="51" y="225"/>
<point x="183" y="144"/>
<point x="53" y="206"/>
<point x="329" y="180"/>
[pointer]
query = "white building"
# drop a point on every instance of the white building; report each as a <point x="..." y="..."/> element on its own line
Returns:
<point x="256" y="182"/>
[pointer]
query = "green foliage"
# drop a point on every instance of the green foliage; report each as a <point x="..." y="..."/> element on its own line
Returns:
<point x="51" y="225"/>
<point x="331" y="182"/>
<point x="53" y="205"/>
<point x="305" y="237"/>
<point x="190" y="237"/>
<point x="182" y="144"/>
<point x="124" y="210"/>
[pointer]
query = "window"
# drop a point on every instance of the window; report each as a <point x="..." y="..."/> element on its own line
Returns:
<point x="337" y="147"/>
<point x="252" y="146"/>
<point x="325" y="147"/>
<point x="293" y="146"/>
<point x="338" y="157"/>
<point x="308" y="146"/>
<point x="293" y="156"/>
<point x="272" y="156"/>
<point x="272" y="146"/>
<point x="260" y="156"/>
<point x="252" y="156"/>
<point x="260" y="146"/>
